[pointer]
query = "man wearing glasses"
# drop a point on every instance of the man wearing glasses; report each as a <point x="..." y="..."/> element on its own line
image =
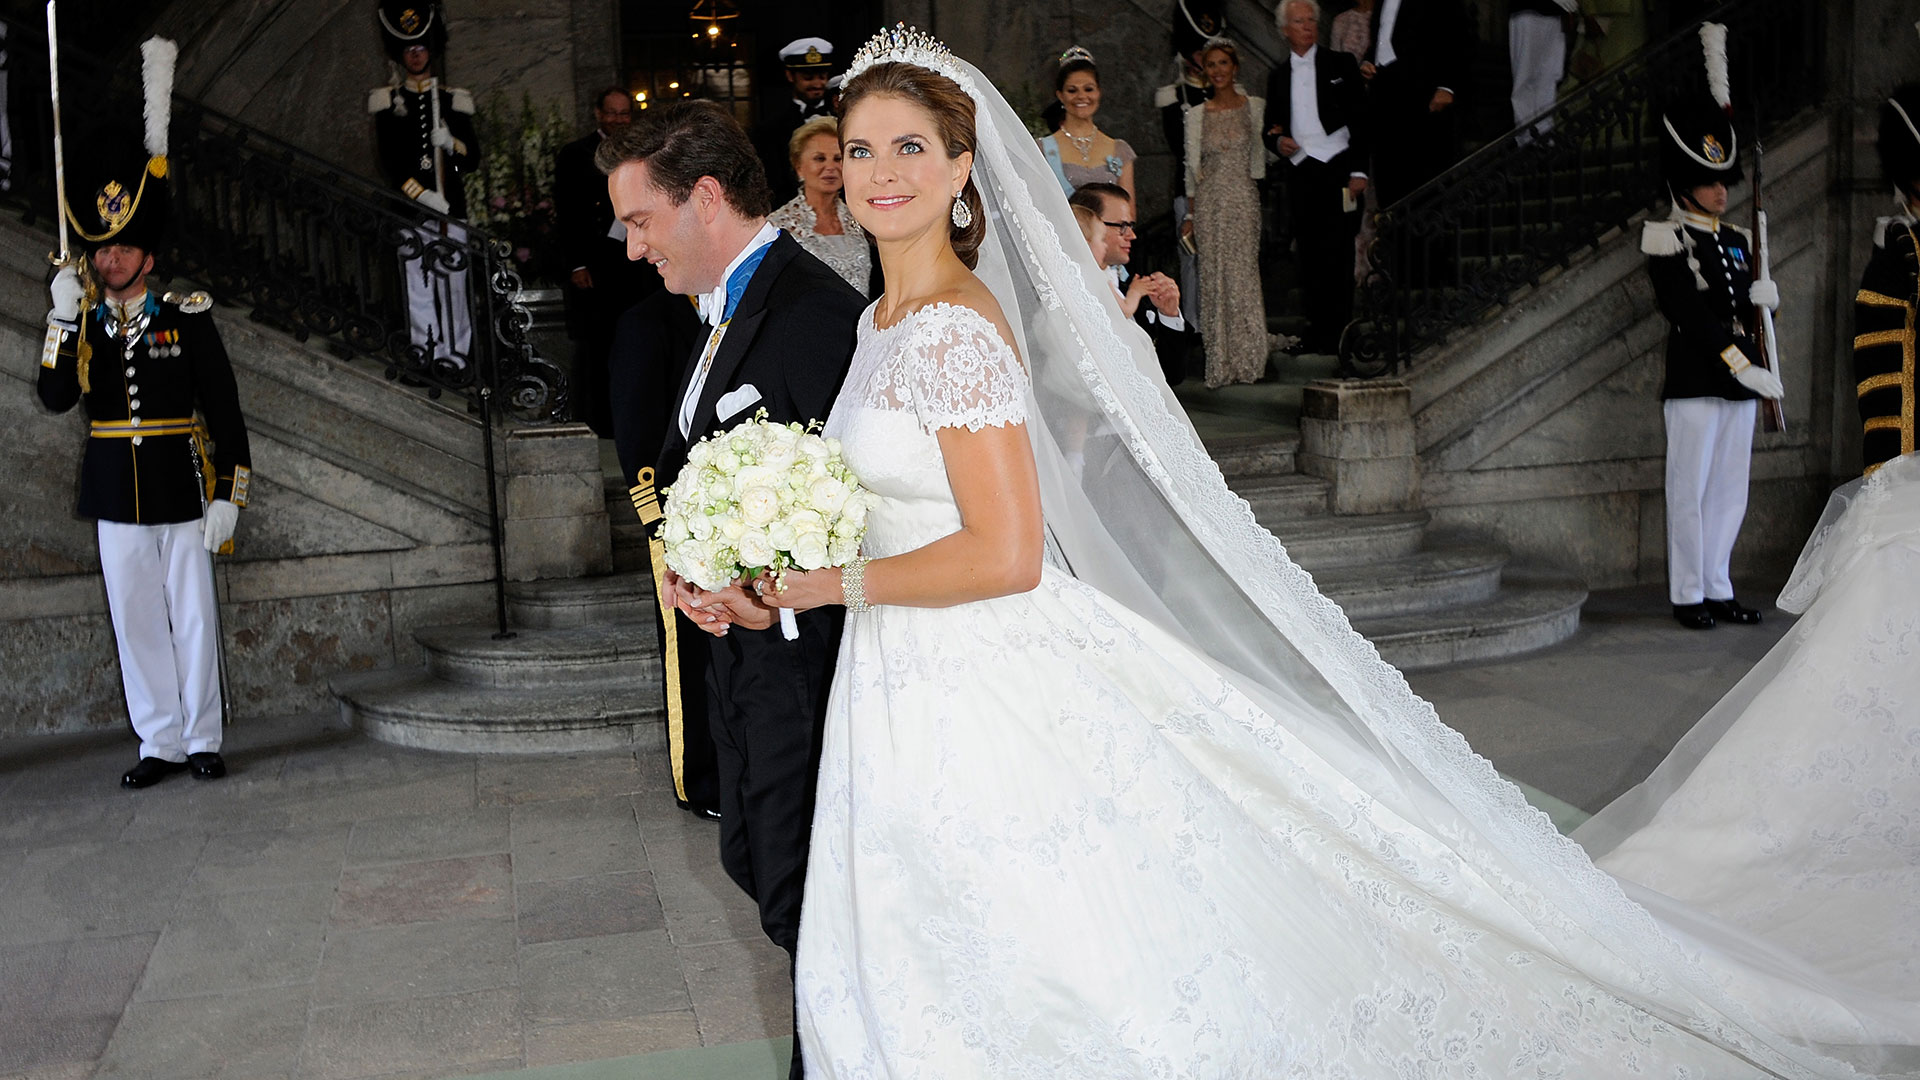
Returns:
<point x="1152" y="299"/>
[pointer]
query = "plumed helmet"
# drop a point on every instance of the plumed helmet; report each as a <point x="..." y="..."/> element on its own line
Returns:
<point x="1900" y="139"/>
<point x="1698" y="145"/>
<point x="1195" y="21"/>
<point x="405" y="23"/>
<point x="116" y="192"/>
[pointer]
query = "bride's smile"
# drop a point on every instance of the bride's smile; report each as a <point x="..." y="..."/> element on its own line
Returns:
<point x="892" y="159"/>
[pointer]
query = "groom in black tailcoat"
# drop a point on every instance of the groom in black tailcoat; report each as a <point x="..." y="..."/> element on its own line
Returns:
<point x="778" y="334"/>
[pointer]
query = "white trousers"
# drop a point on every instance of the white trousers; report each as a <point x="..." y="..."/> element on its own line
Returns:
<point x="1538" y="49"/>
<point x="160" y="594"/>
<point x="1709" y="449"/>
<point x="439" y="313"/>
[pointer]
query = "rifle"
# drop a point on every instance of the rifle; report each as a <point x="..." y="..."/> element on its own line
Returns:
<point x="1772" y="416"/>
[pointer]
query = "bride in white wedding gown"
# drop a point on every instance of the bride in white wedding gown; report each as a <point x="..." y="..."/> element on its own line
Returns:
<point x="1110" y="790"/>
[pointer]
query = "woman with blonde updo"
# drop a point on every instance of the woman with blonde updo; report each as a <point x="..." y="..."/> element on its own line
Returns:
<point x="817" y="217"/>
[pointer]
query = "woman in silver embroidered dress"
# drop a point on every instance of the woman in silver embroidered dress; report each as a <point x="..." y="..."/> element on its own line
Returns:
<point x="818" y="217"/>
<point x="1109" y="789"/>
<point x="1224" y="158"/>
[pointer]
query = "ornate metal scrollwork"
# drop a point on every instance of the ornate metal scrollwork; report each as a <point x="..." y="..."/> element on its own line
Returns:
<point x="1461" y="246"/>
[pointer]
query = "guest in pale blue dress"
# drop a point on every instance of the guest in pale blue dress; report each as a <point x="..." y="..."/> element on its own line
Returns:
<point x="1079" y="152"/>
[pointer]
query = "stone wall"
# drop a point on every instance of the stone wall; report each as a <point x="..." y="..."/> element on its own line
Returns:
<point x="300" y="69"/>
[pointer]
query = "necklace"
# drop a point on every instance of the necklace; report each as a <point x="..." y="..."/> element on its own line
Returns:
<point x="1082" y="143"/>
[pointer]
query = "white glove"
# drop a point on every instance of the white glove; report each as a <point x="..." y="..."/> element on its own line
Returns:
<point x="221" y="517"/>
<point x="68" y="294"/>
<point x="1761" y="381"/>
<point x="435" y="200"/>
<point x="442" y="138"/>
<point x="1764" y="294"/>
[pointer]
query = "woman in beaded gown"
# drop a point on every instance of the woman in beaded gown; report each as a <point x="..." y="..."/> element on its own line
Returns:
<point x="1109" y="790"/>
<point x="1224" y="158"/>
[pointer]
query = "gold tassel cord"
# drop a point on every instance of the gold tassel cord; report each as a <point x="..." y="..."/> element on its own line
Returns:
<point x="646" y="503"/>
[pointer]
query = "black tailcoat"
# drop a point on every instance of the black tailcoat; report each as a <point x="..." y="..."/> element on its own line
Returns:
<point x="790" y="337"/>
<point x="175" y="367"/>
<point x="1708" y="314"/>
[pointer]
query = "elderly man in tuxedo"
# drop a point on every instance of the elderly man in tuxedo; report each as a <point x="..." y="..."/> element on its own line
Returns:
<point x="1316" y="105"/>
<point x="1420" y="53"/>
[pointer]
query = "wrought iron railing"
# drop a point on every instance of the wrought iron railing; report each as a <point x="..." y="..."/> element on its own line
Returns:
<point x="310" y="248"/>
<point x="1459" y="247"/>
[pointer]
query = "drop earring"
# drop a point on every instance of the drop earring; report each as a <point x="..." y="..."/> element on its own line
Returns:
<point x="962" y="213"/>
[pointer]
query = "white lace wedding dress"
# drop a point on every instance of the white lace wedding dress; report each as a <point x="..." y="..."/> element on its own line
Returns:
<point x="1054" y="841"/>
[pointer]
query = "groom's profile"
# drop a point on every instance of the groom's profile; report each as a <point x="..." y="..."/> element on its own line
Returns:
<point x="779" y="331"/>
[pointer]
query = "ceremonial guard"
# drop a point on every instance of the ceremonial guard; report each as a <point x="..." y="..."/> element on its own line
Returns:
<point x="809" y="67"/>
<point x="145" y="363"/>
<point x="424" y="135"/>
<point x="1889" y="297"/>
<point x="1703" y="280"/>
<point x="1194" y="21"/>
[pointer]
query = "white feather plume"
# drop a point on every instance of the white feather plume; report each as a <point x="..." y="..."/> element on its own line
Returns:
<point x="1713" y="40"/>
<point x="156" y="75"/>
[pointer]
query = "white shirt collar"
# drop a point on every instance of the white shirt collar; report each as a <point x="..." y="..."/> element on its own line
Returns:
<point x="1307" y="57"/>
<point x="713" y="303"/>
<point x="1703" y="222"/>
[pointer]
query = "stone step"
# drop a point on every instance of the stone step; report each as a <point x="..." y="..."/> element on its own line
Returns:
<point x="1447" y="576"/>
<point x="1253" y="455"/>
<point x="1277" y="499"/>
<point x="1323" y="542"/>
<point x="412" y="708"/>
<point x="1528" y="612"/>
<point x="576" y="657"/>
<point x="625" y="597"/>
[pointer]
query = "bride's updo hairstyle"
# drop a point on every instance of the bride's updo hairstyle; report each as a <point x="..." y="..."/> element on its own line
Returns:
<point x="952" y="112"/>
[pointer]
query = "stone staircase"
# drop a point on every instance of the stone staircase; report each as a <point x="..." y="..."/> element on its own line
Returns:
<point x="1423" y="600"/>
<point x="581" y="671"/>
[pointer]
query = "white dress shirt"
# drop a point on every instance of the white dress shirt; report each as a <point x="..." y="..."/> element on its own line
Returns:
<point x="1119" y="276"/>
<point x="713" y="307"/>
<point x="1306" y="129"/>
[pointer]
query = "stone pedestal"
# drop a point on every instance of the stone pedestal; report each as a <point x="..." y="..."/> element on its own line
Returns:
<point x="553" y="509"/>
<point x="1358" y="435"/>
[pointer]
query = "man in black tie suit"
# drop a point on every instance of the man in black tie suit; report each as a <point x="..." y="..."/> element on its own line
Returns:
<point x="779" y="334"/>
<point x="1152" y="300"/>
<point x="601" y="281"/>
<point x="1419" y="57"/>
<point x="1317" y="106"/>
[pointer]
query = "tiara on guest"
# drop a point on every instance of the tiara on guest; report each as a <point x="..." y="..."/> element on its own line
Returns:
<point x="1076" y="52"/>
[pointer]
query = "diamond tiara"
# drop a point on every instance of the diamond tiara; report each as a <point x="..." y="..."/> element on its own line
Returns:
<point x="907" y="45"/>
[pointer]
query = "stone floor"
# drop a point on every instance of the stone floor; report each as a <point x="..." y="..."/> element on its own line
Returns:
<point x="338" y="908"/>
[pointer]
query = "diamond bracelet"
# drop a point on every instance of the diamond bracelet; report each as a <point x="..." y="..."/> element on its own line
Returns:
<point x="853" y="585"/>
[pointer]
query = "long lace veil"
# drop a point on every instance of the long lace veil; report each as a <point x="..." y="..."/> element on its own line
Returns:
<point x="1135" y="507"/>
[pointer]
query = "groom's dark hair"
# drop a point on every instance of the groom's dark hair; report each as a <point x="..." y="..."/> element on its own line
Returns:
<point x="686" y="141"/>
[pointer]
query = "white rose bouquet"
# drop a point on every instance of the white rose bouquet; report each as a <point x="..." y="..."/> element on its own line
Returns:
<point x="763" y="496"/>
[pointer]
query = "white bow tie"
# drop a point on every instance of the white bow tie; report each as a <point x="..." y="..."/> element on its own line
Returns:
<point x="713" y="306"/>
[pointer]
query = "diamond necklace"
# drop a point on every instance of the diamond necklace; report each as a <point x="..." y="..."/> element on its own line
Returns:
<point x="1082" y="143"/>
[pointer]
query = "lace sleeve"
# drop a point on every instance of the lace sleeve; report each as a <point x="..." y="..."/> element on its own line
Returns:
<point x="960" y="373"/>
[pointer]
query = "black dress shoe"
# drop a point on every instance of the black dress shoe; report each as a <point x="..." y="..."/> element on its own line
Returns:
<point x="1693" y="616"/>
<point x="149" y="772"/>
<point x="207" y="765"/>
<point x="1733" y="611"/>
<point x="699" y="810"/>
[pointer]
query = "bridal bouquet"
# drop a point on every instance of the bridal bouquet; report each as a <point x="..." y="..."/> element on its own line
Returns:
<point x="763" y="496"/>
